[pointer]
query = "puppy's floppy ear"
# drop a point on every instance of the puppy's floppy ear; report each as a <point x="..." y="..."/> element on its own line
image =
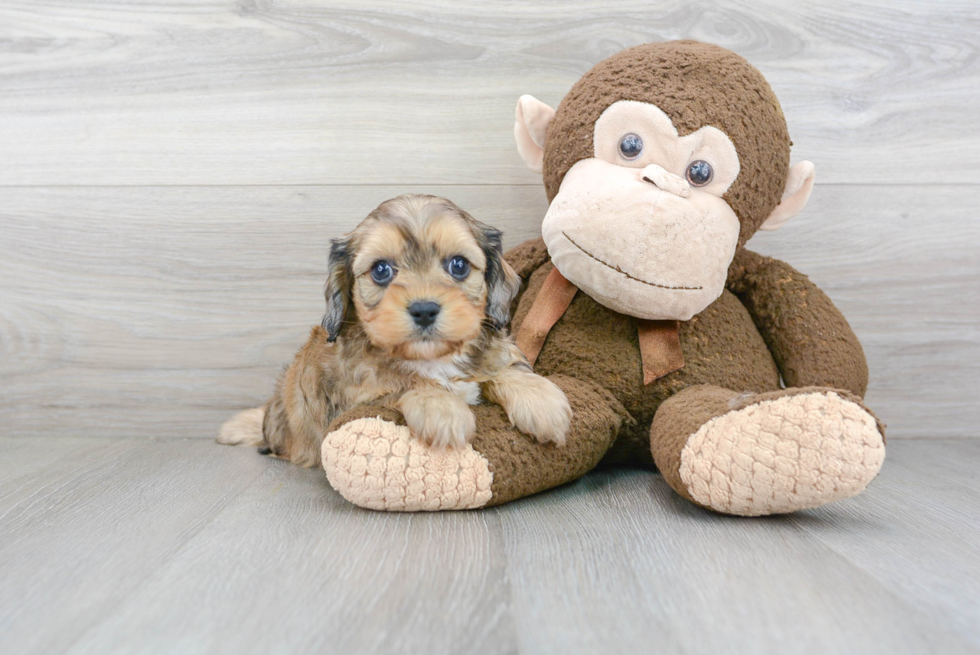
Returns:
<point x="503" y="282"/>
<point x="337" y="290"/>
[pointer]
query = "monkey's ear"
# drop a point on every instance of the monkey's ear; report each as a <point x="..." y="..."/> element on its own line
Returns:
<point x="530" y="128"/>
<point x="503" y="283"/>
<point x="337" y="290"/>
<point x="799" y="184"/>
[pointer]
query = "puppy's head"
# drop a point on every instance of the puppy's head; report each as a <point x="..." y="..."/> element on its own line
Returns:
<point x="423" y="276"/>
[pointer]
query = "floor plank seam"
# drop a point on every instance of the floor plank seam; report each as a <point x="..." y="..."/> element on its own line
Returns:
<point x="912" y="607"/>
<point x="110" y="610"/>
<point x="90" y="467"/>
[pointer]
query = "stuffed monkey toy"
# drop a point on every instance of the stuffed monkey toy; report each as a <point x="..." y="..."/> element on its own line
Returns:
<point x="676" y="346"/>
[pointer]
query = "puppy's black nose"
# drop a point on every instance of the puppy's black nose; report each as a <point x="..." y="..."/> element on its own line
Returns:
<point x="424" y="312"/>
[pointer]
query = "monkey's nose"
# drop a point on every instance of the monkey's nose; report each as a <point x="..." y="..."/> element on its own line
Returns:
<point x="424" y="312"/>
<point x="664" y="179"/>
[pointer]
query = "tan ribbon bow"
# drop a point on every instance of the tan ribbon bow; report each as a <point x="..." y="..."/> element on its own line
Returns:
<point x="660" y="344"/>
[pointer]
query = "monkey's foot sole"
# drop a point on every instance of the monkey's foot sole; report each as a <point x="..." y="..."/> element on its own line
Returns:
<point x="784" y="454"/>
<point x="378" y="465"/>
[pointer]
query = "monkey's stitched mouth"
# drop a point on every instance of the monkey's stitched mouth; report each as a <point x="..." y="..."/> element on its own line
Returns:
<point x="624" y="273"/>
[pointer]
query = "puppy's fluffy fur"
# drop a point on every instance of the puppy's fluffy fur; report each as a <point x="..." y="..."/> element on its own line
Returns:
<point x="404" y="328"/>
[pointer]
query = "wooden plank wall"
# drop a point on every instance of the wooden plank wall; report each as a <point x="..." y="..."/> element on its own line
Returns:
<point x="171" y="172"/>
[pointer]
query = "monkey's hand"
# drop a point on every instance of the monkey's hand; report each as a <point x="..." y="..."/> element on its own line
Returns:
<point x="534" y="405"/>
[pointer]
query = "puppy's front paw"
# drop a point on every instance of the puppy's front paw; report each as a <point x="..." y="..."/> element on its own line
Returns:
<point x="537" y="406"/>
<point x="438" y="418"/>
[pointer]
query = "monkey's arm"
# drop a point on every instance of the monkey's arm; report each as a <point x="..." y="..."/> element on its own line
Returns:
<point x="808" y="336"/>
<point x="526" y="258"/>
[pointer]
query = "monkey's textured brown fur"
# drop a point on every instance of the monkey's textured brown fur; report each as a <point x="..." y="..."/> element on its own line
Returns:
<point x="722" y="345"/>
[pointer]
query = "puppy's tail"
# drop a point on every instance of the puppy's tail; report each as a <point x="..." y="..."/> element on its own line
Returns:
<point x="243" y="429"/>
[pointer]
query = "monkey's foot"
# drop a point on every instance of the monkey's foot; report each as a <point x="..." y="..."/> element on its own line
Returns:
<point x="374" y="461"/>
<point x="758" y="454"/>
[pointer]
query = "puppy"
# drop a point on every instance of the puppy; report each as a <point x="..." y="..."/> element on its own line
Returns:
<point x="418" y="300"/>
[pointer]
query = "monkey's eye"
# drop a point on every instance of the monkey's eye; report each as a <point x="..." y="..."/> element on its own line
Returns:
<point x="699" y="173"/>
<point x="382" y="272"/>
<point x="458" y="267"/>
<point x="631" y="145"/>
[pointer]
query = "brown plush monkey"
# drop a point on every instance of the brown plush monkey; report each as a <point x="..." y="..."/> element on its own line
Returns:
<point x="675" y="345"/>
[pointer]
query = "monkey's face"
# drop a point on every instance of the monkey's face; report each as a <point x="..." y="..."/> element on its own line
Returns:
<point x="642" y="226"/>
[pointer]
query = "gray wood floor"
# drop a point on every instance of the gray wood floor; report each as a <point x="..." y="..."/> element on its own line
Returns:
<point x="179" y="545"/>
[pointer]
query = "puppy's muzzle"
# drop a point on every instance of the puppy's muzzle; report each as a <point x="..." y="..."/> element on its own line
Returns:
<point x="424" y="312"/>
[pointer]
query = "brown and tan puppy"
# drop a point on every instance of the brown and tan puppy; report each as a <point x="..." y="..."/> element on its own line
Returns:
<point x="418" y="300"/>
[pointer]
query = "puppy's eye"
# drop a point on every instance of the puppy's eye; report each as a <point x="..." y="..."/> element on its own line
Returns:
<point x="458" y="267"/>
<point x="382" y="272"/>
<point x="699" y="173"/>
<point x="630" y="146"/>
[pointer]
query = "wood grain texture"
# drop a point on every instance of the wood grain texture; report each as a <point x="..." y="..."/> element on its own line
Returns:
<point x="162" y="546"/>
<point x="147" y="311"/>
<point x="926" y="522"/>
<point x="346" y="92"/>
<point x="88" y="528"/>
<point x="662" y="572"/>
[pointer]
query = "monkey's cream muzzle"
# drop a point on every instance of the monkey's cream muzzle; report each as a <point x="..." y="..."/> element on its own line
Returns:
<point x="632" y="230"/>
<point x="652" y="249"/>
